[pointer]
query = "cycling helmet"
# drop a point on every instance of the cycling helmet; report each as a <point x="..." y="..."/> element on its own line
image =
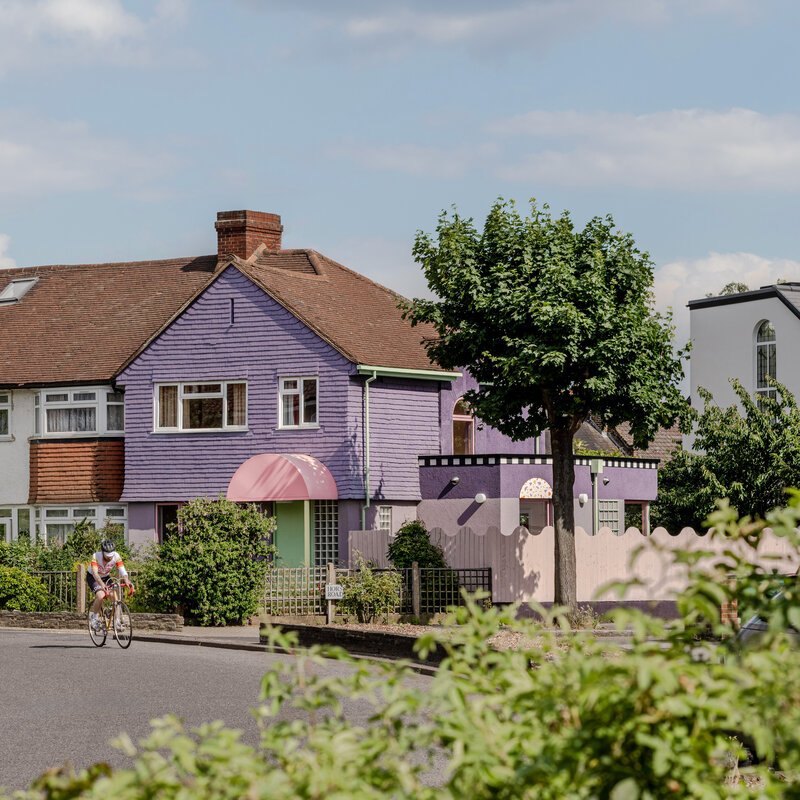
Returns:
<point x="107" y="546"/>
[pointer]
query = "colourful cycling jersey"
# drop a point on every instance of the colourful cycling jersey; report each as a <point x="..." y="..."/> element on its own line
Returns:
<point x="104" y="567"/>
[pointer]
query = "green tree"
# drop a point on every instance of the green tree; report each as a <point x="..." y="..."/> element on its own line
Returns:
<point x="748" y="453"/>
<point x="212" y="564"/>
<point x="553" y="324"/>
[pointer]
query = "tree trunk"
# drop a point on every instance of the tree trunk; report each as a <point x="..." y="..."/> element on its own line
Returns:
<point x="566" y="592"/>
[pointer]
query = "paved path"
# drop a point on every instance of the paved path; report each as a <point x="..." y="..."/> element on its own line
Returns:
<point x="63" y="699"/>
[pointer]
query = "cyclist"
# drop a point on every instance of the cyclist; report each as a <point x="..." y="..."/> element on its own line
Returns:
<point x="98" y="576"/>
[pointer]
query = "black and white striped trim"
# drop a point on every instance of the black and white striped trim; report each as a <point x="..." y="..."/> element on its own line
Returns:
<point x="499" y="460"/>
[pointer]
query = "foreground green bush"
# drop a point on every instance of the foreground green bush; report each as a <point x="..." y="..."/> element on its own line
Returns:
<point x="22" y="592"/>
<point x="560" y="718"/>
<point x="212" y="566"/>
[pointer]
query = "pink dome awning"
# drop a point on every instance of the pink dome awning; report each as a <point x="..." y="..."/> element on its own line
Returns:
<point x="272" y="476"/>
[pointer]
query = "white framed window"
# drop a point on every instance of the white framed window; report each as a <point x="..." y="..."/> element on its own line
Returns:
<point x="608" y="515"/>
<point x="298" y="402"/>
<point x="326" y="532"/>
<point x="766" y="359"/>
<point x="463" y="429"/>
<point x="5" y="415"/>
<point x="199" y="407"/>
<point x="83" y="411"/>
<point x="56" y="523"/>
<point x="6" y="525"/>
<point x="385" y="518"/>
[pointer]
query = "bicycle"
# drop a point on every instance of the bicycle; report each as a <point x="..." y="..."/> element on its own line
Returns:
<point x="114" y="617"/>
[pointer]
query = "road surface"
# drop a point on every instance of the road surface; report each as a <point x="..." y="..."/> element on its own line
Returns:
<point x="62" y="699"/>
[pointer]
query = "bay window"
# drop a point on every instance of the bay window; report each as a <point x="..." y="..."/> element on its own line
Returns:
<point x="86" y="411"/>
<point x="298" y="402"/>
<point x="217" y="406"/>
<point x="56" y="524"/>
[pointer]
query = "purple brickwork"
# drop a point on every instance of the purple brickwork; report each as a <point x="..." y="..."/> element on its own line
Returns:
<point x="487" y="439"/>
<point x="266" y="342"/>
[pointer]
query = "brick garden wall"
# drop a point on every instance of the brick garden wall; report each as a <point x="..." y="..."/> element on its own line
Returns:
<point x="66" y="620"/>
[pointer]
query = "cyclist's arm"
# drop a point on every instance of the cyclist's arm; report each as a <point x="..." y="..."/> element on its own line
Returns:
<point x="123" y="573"/>
<point x="95" y="572"/>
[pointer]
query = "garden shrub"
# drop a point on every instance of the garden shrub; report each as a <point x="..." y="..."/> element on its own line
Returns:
<point x="21" y="554"/>
<point x="22" y="592"/>
<point x="369" y="594"/>
<point x="84" y="541"/>
<point x="411" y="543"/>
<point x="212" y="566"/>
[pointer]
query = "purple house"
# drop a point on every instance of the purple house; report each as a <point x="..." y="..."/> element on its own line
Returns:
<point x="292" y="381"/>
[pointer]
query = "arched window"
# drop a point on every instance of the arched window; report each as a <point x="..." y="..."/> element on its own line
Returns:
<point x="765" y="358"/>
<point x="463" y="429"/>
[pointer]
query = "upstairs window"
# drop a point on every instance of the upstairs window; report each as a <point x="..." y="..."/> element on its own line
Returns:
<point x="15" y="290"/>
<point x="298" y="402"/>
<point x="220" y="406"/>
<point x="75" y="412"/>
<point x="463" y="430"/>
<point x="766" y="358"/>
<point x="5" y="416"/>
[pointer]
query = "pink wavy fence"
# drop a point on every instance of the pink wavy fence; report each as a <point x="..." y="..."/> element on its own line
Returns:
<point x="522" y="563"/>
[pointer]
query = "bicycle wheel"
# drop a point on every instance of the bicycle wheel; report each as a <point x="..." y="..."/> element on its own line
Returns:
<point x="98" y="637"/>
<point x="123" y="627"/>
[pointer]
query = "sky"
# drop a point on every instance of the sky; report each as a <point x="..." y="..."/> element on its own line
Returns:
<point x="125" y="126"/>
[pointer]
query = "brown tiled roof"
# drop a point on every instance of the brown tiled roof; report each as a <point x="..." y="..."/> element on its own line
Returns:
<point x="79" y="324"/>
<point x="663" y="446"/>
<point x="356" y="315"/>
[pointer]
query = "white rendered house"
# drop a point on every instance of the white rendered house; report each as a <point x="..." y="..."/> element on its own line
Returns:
<point x="749" y="336"/>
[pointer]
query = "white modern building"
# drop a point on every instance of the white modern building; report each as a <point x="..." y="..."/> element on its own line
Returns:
<point x="749" y="336"/>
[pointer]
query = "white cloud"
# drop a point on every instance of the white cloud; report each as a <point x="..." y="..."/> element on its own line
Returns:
<point x="6" y="262"/>
<point x="34" y="33"/>
<point x="483" y="26"/>
<point x="38" y="156"/>
<point x="99" y="20"/>
<point x="415" y="159"/>
<point x="684" y="149"/>
<point x="678" y="282"/>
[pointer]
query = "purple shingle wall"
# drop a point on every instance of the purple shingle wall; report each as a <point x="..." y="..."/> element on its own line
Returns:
<point x="403" y="419"/>
<point x="487" y="439"/>
<point x="266" y="342"/>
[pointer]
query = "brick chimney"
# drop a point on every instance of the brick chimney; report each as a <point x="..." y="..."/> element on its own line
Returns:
<point x="241" y="232"/>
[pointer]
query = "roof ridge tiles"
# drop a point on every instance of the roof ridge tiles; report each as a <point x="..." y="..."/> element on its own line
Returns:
<point x="144" y="263"/>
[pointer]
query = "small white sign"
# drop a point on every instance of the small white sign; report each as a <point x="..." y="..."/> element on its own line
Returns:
<point x="334" y="591"/>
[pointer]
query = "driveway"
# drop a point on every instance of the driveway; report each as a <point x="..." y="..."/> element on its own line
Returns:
<point x="62" y="699"/>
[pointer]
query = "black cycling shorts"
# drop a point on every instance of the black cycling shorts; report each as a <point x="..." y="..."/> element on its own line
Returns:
<point x="90" y="579"/>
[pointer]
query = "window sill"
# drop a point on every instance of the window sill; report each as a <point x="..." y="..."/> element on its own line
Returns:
<point x="185" y="432"/>
<point x="298" y="428"/>
<point x="69" y="435"/>
<point x="7" y="438"/>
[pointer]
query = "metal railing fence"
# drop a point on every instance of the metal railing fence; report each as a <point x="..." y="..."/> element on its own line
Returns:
<point x="62" y="586"/>
<point x="300" y="591"/>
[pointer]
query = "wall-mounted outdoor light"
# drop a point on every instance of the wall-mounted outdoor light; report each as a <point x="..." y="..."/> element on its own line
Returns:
<point x="454" y="480"/>
<point x="582" y="498"/>
<point x="480" y="498"/>
<point x="606" y="481"/>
